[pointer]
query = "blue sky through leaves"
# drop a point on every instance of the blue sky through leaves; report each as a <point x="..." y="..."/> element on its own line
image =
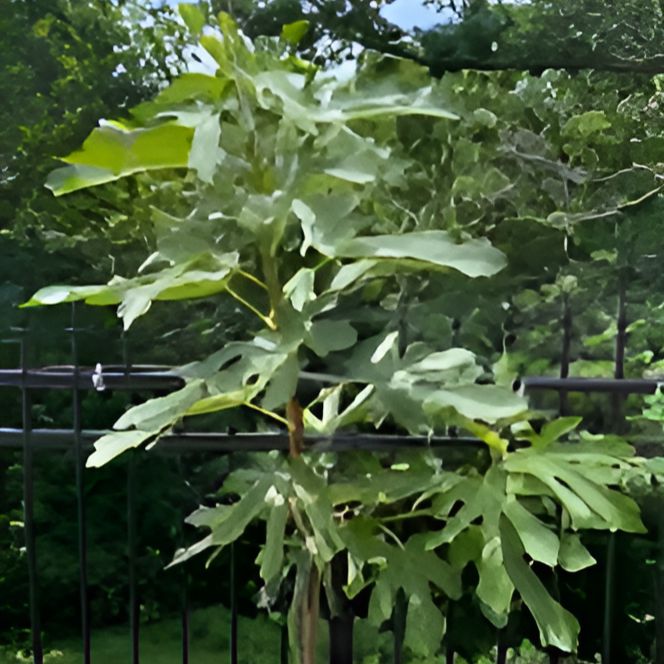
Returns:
<point x="407" y="14"/>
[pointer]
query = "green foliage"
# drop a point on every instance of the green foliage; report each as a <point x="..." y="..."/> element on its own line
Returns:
<point x="537" y="35"/>
<point x="285" y="155"/>
<point x="323" y="207"/>
<point x="522" y="505"/>
<point x="64" y="66"/>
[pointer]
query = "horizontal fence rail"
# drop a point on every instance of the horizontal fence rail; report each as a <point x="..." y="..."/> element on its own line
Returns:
<point x="112" y="377"/>
<point x="58" y="439"/>
<point x="623" y="386"/>
<point x="148" y="378"/>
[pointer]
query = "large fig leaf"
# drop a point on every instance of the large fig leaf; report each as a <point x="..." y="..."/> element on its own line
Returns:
<point x="202" y="276"/>
<point x="116" y="150"/>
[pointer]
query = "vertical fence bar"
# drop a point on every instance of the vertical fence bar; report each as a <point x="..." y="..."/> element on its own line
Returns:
<point x="449" y="650"/>
<point x="565" y="352"/>
<point x="134" y="606"/>
<point x="284" y="656"/>
<point x="659" y="587"/>
<point x="607" y="641"/>
<point x="620" y="347"/>
<point x="184" y="575"/>
<point x="399" y="625"/>
<point x="79" y="461"/>
<point x="233" y="590"/>
<point x="185" y="623"/>
<point x="563" y="409"/>
<point x="28" y="510"/>
<point x="617" y="426"/>
<point x="341" y="639"/>
<point x="341" y="624"/>
<point x="501" y="652"/>
<point x="134" y="617"/>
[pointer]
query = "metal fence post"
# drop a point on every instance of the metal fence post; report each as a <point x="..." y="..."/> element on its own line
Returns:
<point x="399" y="625"/>
<point x="28" y="508"/>
<point x="340" y="625"/>
<point x="284" y="655"/>
<point x="233" y="602"/>
<point x="565" y="352"/>
<point x="185" y="621"/>
<point x="134" y="607"/>
<point x="617" y="425"/>
<point x="184" y="579"/>
<point x="79" y="461"/>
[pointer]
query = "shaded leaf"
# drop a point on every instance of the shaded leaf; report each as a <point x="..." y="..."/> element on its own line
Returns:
<point x="495" y="587"/>
<point x="539" y="541"/>
<point x="272" y="554"/>
<point x="557" y="626"/>
<point x="573" y="556"/>
<point x="327" y="336"/>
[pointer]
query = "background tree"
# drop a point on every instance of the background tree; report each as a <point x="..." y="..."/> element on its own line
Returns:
<point x="62" y="67"/>
<point x="620" y="36"/>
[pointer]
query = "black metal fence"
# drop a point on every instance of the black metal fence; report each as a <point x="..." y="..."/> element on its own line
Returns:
<point x="78" y="379"/>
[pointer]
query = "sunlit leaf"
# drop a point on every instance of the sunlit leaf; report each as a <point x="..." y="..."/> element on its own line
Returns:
<point x="115" y="150"/>
<point x="293" y="33"/>
<point x="474" y="258"/>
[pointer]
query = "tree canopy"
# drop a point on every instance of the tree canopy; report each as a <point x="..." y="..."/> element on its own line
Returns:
<point x="570" y="34"/>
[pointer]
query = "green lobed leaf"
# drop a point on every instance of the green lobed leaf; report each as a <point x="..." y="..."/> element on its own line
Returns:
<point x="474" y="258"/>
<point x="573" y="556"/>
<point x="300" y="288"/>
<point x="328" y="336"/>
<point x="558" y="627"/>
<point x="539" y="541"/>
<point x="488" y="403"/>
<point x="115" y="150"/>
<point x="589" y="504"/>
<point x="115" y="443"/>
<point x="283" y="383"/>
<point x="495" y="588"/>
<point x="162" y="411"/>
<point x="150" y="420"/>
<point x="242" y="513"/>
<point x="333" y="420"/>
<point x="425" y="625"/>
<point x="201" y="276"/>
<point x="204" y="150"/>
<point x="272" y="554"/>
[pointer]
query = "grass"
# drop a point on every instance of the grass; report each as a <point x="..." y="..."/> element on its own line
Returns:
<point x="160" y="642"/>
<point x="259" y="643"/>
